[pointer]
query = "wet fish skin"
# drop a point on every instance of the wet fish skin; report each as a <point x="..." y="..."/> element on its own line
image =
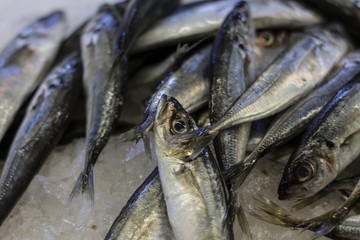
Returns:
<point x="189" y="84"/>
<point x="327" y="147"/>
<point x="144" y="216"/>
<point x="44" y="123"/>
<point x="195" y="21"/>
<point x="292" y="75"/>
<point x="104" y="91"/>
<point x="194" y="192"/>
<point x="294" y="120"/>
<point x="233" y="70"/>
<point x="25" y="61"/>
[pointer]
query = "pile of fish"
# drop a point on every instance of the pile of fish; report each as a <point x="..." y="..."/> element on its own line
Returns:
<point x="231" y="82"/>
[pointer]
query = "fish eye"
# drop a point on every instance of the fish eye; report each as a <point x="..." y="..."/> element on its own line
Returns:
<point x="304" y="171"/>
<point x="266" y="39"/>
<point x="329" y="144"/>
<point x="179" y="126"/>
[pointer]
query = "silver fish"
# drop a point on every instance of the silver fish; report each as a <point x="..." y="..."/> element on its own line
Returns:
<point x="194" y="192"/>
<point x="41" y="129"/>
<point x="328" y="146"/>
<point x="292" y="75"/>
<point x="232" y="72"/>
<point x="25" y="61"/>
<point x="103" y="90"/>
<point x="144" y="216"/>
<point x="190" y="84"/>
<point x="199" y="20"/>
<point x="295" y="119"/>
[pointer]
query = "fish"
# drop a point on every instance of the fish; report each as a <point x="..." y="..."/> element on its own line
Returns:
<point x="292" y="75"/>
<point x="144" y="216"/>
<point x="348" y="229"/>
<point x="194" y="191"/>
<point x="190" y="84"/>
<point x="104" y="91"/>
<point x="295" y="119"/>
<point x="233" y="70"/>
<point x="25" y="61"/>
<point x="326" y="148"/>
<point x="195" y="21"/>
<point x="44" y="123"/>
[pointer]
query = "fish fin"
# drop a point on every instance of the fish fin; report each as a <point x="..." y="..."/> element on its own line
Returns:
<point x="309" y="200"/>
<point x="270" y="212"/>
<point x="243" y="222"/>
<point x="237" y="173"/>
<point x="83" y="185"/>
<point x="147" y="147"/>
<point x="129" y="135"/>
<point x="191" y="144"/>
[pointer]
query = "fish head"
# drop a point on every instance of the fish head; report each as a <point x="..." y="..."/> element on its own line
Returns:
<point x="309" y="170"/>
<point x="171" y="119"/>
<point x="51" y="27"/>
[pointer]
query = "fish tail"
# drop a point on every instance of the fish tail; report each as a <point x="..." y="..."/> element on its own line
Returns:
<point x="309" y="200"/>
<point x="147" y="147"/>
<point x="191" y="144"/>
<point x="243" y="222"/>
<point x="84" y="186"/>
<point x="270" y="212"/>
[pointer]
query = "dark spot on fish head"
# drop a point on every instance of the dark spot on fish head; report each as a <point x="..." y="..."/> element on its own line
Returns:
<point x="94" y="227"/>
<point x="329" y="144"/>
<point x="265" y="172"/>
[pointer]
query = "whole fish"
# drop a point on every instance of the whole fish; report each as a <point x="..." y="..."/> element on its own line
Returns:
<point x="194" y="192"/>
<point x="348" y="229"/>
<point x="25" y="61"/>
<point x="43" y="125"/>
<point x="196" y="21"/>
<point x="295" y="119"/>
<point x="104" y="94"/>
<point x="190" y="84"/>
<point x="328" y="146"/>
<point x="292" y="75"/>
<point x="144" y="216"/>
<point x="233" y="64"/>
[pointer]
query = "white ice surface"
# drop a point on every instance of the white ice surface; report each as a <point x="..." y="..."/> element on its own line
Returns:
<point x="121" y="168"/>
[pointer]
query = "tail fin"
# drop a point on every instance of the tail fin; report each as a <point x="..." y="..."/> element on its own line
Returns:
<point x="84" y="185"/>
<point x="243" y="222"/>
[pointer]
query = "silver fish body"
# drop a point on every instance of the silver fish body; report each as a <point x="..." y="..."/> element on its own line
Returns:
<point x="43" y="125"/>
<point x="295" y="119"/>
<point x="193" y="191"/>
<point x="25" y="61"/>
<point x="199" y="20"/>
<point x="190" y="84"/>
<point x="144" y="216"/>
<point x="292" y="75"/>
<point x="328" y="146"/>
<point x="104" y="94"/>
<point x="233" y="69"/>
